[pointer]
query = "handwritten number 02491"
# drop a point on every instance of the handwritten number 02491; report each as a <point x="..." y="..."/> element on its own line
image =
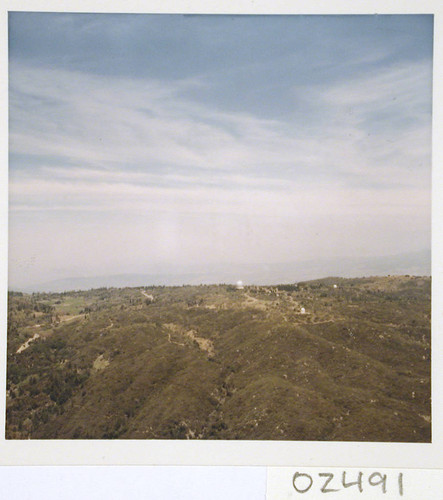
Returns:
<point x="303" y="482"/>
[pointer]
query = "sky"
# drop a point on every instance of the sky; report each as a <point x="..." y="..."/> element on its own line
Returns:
<point x="157" y="143"/>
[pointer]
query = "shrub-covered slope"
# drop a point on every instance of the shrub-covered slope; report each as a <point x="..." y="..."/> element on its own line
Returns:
<point x="331" y="359"/>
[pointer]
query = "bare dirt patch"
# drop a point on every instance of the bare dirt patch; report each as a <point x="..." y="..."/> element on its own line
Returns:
<point x="66" y="318"/>
<point x="255" y="302"/>
<point x="24" y="346"/>
<point x="100" y="363"/>
<point x="203" y="344"/>
<point x="148" y="296"/>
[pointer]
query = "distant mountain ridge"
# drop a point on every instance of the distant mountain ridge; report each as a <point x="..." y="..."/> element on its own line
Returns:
<point x="416" y="263"/>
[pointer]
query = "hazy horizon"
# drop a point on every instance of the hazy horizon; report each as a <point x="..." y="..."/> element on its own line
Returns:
<point x="414" y="264"/>
<point x="140" y="143"/>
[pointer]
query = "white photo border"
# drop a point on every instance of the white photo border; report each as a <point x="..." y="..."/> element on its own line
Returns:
<point x="239" y="453"/>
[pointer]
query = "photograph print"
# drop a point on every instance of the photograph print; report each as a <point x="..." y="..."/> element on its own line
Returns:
<point x="219" y="227"/>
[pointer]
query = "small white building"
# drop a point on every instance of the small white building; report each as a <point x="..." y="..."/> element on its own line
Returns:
<point x="335" y="286"/>
<point x="239" y="285"/>
<point x="302" y="310"/>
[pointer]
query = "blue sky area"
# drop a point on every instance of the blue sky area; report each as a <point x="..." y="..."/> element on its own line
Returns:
<point x="147" y="142"/>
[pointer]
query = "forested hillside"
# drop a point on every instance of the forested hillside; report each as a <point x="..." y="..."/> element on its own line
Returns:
<point x="330" y="359"/>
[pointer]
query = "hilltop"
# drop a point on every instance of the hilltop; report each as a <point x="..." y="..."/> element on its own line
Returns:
<point x="329" y="359"/>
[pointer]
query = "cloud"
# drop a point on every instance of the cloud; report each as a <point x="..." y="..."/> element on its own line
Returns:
<point x="57" y="111"/>
<point x="380" y="121"/>
<point x="138" y="138"/>
<point x="102" y="121"/>
<point x="175" y="177"/>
